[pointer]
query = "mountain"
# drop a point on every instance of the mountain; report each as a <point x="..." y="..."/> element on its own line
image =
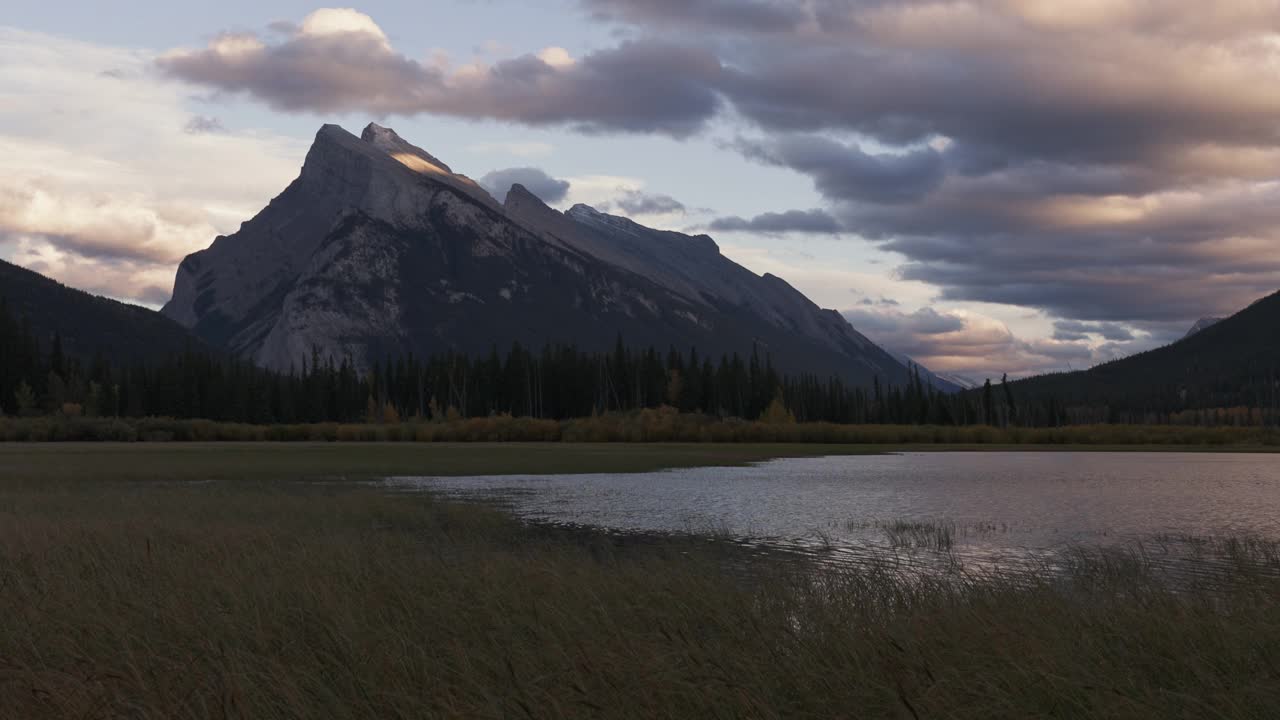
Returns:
<point x="1233" y="362"/>
<point x="378" y="247"/>
<point x="964" y="382"/>
<point x="89" y="324"/>
<point x="1201" y="324"/>
<point x="945" y="383"/>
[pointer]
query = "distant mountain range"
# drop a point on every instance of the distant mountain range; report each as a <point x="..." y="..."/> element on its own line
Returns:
<point x="379" y="248"/>
<point x="945" y="382"/>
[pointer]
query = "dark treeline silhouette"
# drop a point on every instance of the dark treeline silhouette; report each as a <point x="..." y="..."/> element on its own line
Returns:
<point x="557" y="382"/>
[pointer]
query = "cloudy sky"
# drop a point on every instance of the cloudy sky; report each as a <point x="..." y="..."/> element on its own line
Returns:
<point x="987" y="185"/>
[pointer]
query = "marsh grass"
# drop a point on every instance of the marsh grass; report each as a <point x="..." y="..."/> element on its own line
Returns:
<point x="643" y="426"/>
<point x="253" y="599"/>
<point x="915" y="534"/>
<point x="936" y="535"/>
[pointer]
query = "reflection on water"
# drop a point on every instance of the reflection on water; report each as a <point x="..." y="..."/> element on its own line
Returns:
<point x="979" y="510"/>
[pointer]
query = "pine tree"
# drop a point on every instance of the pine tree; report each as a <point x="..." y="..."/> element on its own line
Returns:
<point x="1008" y="399"/>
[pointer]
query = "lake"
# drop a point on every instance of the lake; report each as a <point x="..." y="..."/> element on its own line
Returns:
<point x="983" y="508"/>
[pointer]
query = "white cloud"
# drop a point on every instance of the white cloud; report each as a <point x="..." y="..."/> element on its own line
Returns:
<point x="599" y="190"/>
<point x="236" y="45"/>
<point x="338" y="21"/>
<point x="104" y="187"/>
<point x="556" y="57"/>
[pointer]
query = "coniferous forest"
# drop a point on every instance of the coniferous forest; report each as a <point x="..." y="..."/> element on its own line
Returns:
<point x="38" y="377"/>
<point x="554" y="382"/>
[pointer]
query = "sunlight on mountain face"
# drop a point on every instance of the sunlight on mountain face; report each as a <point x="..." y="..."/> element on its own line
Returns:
<point x="417" y="164"/>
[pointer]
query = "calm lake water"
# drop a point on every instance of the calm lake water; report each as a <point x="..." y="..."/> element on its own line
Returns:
<point x="994" y="508"/>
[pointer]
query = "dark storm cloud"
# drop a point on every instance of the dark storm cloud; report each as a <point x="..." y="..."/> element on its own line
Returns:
<point x="923" y="322"/>
<point x="548" y="189"/>
<point x="988" y="74"/>
<point x="846" y="172"/>
<point x="1136" y="293"/>
<point x="636" y="87"/>
<point x="1165" y="257"/>
<point x="104" y="246"/>
<point x="749" y="15"/>
<point x="636" y="202"/>
<point x="797" y="221"/>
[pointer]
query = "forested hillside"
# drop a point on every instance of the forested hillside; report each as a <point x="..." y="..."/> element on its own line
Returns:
<point x="88" y="324"/>
<point x="556" y="382"/>
<point x="1211" y="376"/>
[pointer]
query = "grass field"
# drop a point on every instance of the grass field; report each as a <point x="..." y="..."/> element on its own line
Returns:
<point x="646" y="426"/>
<point x="360" y="461"/>
<point x="131" y="587"/>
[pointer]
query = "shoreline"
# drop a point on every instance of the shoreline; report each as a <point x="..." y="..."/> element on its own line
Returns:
<point x="89" y="461"/>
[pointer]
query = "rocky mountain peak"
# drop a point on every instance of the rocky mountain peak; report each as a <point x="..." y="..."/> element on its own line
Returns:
<point x="334" y="138"/>
<point x="404" y="152"/>
<point x="379" y="247"/>
<point x="519" y="196"/>
<point x="385" y="143"/>
<point x="584" y="210"/>
<point x="337" y="153"/>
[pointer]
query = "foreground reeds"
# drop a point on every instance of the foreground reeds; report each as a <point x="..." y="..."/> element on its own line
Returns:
<point x="645" y="426"/>
<point x="292" y="600"/>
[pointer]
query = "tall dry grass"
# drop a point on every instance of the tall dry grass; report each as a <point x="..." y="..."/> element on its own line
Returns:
<point x="645" y="426"/>
<point x="279" y="600"/>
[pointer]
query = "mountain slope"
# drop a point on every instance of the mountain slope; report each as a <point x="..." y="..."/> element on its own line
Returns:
<point x="88" y="324"/>
<point x="378" y="247"/>
<point x="945" y="383"/>
<point x="1235" y="361"/>
<point x="727" y="299"/>
<point x="1201" y="324"/>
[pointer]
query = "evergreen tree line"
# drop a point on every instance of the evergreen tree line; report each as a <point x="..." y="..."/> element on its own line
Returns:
<point x="557" y="382"/>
